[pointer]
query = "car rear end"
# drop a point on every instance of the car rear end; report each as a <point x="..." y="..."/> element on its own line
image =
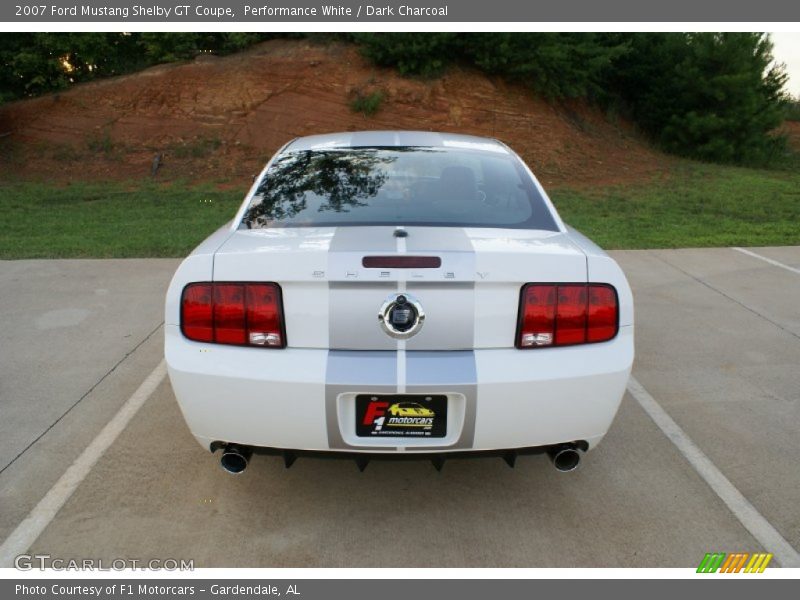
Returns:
<point x="275" y="340"/>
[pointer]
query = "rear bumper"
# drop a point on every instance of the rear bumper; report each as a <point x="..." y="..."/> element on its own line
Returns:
<point x="303" y="399"/>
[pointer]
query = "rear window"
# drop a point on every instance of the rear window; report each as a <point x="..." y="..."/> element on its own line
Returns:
<point x="397" y="186"/>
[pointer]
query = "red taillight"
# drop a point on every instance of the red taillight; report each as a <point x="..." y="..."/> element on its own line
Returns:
<point x="570" y="315"/>
<point x="603" y="313"/>
<point x="566" y="314"/>
<point x="229" y="324"/>
<point x="197" y="319"/>
<point x="264" y="319"/>
<point x="244" y="314"/>
<point x="537" y="316"/>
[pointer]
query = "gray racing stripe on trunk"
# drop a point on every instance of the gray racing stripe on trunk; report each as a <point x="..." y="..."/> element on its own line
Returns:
<point x="353" y="315"/>
<point x="449" y="303"/>
<point x="437" y="239"/>
<point x="392" y="366"/>
<point x="449" y="315"/>
<point x="364" y="240"/>
<point x="353" y="323"/>
<point x="353" y="302"/>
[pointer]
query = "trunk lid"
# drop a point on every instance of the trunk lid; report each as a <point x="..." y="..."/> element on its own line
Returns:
<point x="331" y="300"/>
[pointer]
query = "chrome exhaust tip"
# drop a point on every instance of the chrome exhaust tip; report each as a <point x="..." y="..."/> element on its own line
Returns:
<point x="235" y="459"/>
<point x="565" y="458"/>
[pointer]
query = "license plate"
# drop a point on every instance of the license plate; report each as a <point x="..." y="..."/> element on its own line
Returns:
<point x="401" y="416"/>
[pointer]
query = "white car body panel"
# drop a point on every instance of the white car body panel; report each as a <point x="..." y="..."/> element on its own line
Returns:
<point x="302" y="397"/>
<point x="533" y="398"/>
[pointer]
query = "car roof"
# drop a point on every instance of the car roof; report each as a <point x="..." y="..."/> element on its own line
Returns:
<point x="389" y="139"/>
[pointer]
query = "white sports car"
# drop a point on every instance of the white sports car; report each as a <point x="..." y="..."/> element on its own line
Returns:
<point x="398" y="294"/>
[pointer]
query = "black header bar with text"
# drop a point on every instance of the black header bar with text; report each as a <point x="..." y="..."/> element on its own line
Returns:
<point x="410" y="11"/>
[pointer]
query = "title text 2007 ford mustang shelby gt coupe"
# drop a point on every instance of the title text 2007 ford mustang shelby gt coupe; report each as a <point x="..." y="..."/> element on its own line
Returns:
<point x="398" y="294"/>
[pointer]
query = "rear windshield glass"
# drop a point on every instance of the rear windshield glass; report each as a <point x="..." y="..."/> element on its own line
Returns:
<point x="397" y="186"/>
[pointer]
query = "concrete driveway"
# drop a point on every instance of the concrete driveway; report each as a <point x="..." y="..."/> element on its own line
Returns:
<point x="716" y="380"/>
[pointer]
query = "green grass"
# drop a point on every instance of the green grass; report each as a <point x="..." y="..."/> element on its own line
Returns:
<point x="109" y="220"/>
<point x="693" y="206"/>
<point x="697" y="205"/>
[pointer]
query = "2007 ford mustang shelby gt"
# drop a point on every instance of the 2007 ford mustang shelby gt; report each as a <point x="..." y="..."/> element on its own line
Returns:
<point x="398" y="294"/>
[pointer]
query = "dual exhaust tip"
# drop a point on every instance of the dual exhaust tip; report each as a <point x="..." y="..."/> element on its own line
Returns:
<point x="565" y="458"/>
<point x="235" y="458"/>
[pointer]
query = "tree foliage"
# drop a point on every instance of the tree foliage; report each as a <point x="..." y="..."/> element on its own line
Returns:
<point x="713" y="96"/>
<point x="557" y="65"/>
<point x="38" y="63"/>
<point x="410" y="53"/>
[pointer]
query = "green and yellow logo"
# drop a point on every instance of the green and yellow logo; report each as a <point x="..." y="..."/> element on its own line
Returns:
<point x="736" y="562"/>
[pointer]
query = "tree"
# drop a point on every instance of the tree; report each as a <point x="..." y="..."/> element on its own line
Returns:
<point x="40" y="63"/>
<point x="712" y="96"/>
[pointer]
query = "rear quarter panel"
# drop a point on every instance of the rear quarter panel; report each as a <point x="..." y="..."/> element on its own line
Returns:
<point x="601" y="268"/>
<point x="198" y="266"/>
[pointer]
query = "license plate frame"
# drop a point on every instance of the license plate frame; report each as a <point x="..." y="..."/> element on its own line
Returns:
<point x="405" y="416"/>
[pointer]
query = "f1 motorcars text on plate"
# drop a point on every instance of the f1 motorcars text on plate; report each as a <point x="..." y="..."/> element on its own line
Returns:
<point x="398" y="294"/>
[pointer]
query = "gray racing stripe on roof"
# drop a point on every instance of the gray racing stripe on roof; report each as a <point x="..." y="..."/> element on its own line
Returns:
<point x="349" y="139"/>
<point x="396" y="138"/>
